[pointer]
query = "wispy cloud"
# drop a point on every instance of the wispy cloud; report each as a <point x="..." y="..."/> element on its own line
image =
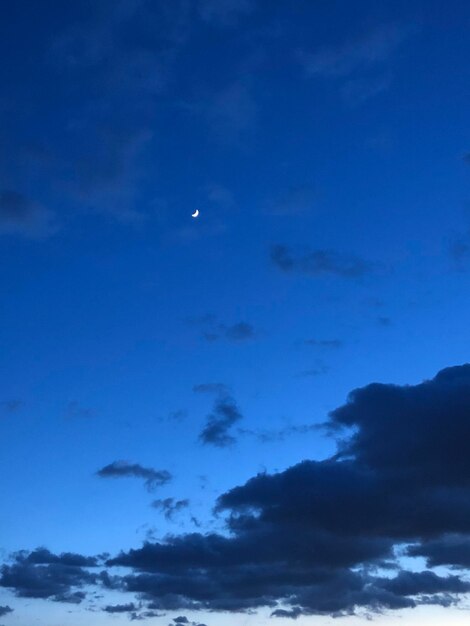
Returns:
<point x="318" y="262"/>
<point x="214" y="330"/>
<point x="21" y="216"/>
<point x="277" y="435"/>
<point x="373" y="48"/>
<point x="123" y="469"/>
<point x="363" y="63"/>
<point x="170" y="506"/>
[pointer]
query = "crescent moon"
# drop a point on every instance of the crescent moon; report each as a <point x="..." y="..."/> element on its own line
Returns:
<point x="195" y="214"/>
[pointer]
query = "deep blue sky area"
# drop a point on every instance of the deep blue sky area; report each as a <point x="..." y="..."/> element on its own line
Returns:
<point x="263" y="412"/>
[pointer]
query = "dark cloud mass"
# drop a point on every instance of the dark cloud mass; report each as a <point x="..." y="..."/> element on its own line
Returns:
<point x="123" y="469"/>
<point x="451" y="550"/>
<point x="321" y="537"/>
<point x="318" y="262"/>
<point x="306" y="537"/>
<point x="4" y="610"/>
<point x="120" y="608"/>
<point x="224" y="415"/>
<point x="41" y="574"/>
<point x="170" y="506"/>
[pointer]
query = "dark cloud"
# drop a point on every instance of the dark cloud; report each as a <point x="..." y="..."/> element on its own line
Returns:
<point x="145" y="615"/>
<point x="312" y="539"/>
<point x="45" y="557"/>
<point x="308" y="540"/>
<point x="318" y="262"/>
<point x="419" y="431"/>
<point x="4" y="610"/>
<point x="293" y="613"/>
<point x="21" y="216"/>
<point x="123" y="469"/>
<point x="170" y="506"/>
<point x="451" y="550"/>
<point x="415" y="583"/>
<point x="224" y="415"/>
<point x="182" y="619"/>
<point x="41" y="574"/>
<point x="120" y="608"/>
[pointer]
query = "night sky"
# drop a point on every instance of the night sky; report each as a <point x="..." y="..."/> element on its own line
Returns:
<point x="261" y="414"/>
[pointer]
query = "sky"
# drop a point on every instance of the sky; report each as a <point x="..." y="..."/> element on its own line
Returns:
<point x="260" y="415"/>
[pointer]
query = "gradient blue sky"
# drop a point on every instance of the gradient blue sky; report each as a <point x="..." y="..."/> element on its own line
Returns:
<point x="326" y="146"/>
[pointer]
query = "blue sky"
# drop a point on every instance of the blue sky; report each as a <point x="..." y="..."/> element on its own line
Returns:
<point x="326" y="146"/>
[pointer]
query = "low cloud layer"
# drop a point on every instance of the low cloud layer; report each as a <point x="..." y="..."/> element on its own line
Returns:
<point x="41" y="574"/>
<point x="308" y="540"/>
<point x="319" y="538"/>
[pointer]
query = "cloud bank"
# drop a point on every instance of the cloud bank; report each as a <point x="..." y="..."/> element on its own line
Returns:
<point x="319" y="538"/>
